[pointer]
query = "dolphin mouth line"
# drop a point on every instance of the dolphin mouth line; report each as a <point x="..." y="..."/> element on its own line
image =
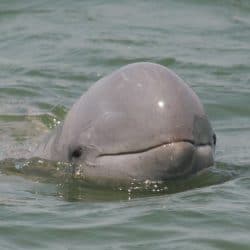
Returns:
<point x="155" y="147"/>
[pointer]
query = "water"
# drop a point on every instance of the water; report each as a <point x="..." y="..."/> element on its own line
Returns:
<point x="52" y="51"/>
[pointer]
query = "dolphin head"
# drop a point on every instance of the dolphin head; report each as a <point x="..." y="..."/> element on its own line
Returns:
<point x="140" y="122"/>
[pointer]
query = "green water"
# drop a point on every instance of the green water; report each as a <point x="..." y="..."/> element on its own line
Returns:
<point x="52" y="51"/>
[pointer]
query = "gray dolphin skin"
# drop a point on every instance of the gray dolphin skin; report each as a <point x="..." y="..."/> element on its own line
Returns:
<point x="141" y="122"/>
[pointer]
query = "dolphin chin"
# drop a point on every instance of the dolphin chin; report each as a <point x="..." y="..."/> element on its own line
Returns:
<point x="140" y="122"/>
<point x="160" y="162"/>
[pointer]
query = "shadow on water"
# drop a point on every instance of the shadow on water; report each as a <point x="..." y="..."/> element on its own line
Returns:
<point x="77" y="188"/>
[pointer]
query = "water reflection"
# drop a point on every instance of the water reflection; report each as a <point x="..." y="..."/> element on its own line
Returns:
<point x="73" y="187"/>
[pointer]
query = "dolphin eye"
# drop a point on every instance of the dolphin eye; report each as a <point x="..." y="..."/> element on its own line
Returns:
<point x="77" y="152"/>
<point x="214" y="138"/>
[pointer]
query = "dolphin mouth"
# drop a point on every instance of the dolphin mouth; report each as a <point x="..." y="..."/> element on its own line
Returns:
<point x="144" y="150"/>
<point x="159" y="162"/>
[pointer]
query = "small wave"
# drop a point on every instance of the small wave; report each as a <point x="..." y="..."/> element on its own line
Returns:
<point x="75" y="187"/>
<point x="122" y="41"/>
<point x="18" y="91"/>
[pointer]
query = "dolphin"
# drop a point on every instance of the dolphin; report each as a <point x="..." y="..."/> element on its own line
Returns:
<point x="141" y="122"/>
